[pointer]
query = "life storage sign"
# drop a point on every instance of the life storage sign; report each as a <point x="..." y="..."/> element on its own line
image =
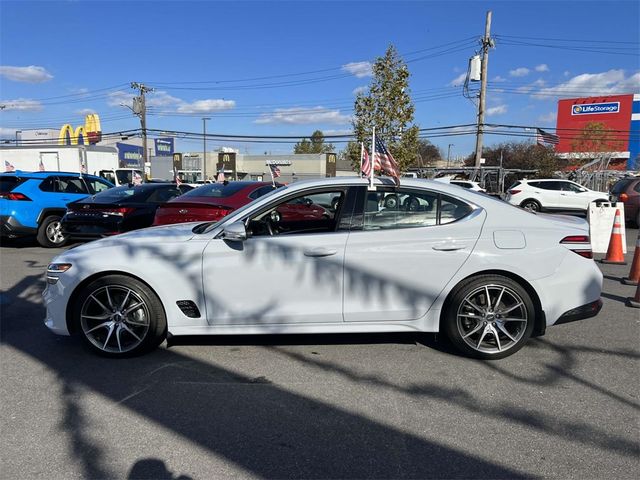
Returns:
<point x="593" y="108"/>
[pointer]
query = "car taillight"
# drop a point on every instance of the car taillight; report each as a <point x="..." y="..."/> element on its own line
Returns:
<point x="122" y="211"/>
<point x="623" y="197"/>
<point x="14" y="196"/>
<point x="578" y="240"/>
<point x="513" y="192"/>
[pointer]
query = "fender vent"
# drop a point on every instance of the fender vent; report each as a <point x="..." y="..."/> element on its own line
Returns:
<point x="189" y="308"/>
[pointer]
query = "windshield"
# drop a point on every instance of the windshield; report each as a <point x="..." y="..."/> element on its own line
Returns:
<point x="138" y="193"/>
<point x="217" y="190"/>
<point x="126" y="176"/>
<point x="207" y="227"/>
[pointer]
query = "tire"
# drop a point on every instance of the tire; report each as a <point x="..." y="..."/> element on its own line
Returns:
<point x="531" y="205"/>
<point x="412" y="204"/>
<point x="391" y="202"/>
<point x="477" y="328"/>
<point x="50" y="232"/>
<point x="118" y="316"/>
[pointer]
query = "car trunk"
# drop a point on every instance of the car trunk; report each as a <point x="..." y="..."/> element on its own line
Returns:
<point x="181" y="212"/>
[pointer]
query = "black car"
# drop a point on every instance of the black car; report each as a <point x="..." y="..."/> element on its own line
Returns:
<point x="118" y="210"/>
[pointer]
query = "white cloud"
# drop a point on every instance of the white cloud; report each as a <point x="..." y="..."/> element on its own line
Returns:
<point x="85" y="111"/>
<point x="300" y="116"/>
<point x="338" y="131"/>
<point x="30" y="74"/>
<point x="359" y="69"/>
<point x="161" y="98"/>
<point x="549" y="118"/>
<point x="527" y="88"/>
<point x="359" y="90"/>
<point x="519" y="72"/>
<point x="604" y="83"/>
<point x="206" y="106"/>
<point x="498" y="79"/>
<point x="498" y="110"/>
<point x="543" y="67"/>
<point x="119" y="98"/>
<point x="459" y="80"/>
<point x="21" y="104"/>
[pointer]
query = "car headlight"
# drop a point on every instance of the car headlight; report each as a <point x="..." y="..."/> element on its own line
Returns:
<point x="53" y="269"/>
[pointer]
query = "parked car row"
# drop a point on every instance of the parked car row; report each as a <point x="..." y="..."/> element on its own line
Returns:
<point x="58" y="206"/>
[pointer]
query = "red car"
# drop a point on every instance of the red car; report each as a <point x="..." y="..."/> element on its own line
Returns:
<point x="211" y="202"/>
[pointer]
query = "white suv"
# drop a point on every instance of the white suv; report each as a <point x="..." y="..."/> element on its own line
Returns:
<point x="550" y="194"/>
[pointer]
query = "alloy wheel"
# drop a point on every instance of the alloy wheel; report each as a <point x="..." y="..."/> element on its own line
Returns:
<point x="115" y="319"/>
<point x="492" y="319"/>
<point x="54" y="232"/>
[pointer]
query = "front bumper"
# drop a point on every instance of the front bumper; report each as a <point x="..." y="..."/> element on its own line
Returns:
<point x="10" y="227"/>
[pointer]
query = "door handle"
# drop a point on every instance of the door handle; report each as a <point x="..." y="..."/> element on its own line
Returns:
<point x="320" y="252"/>
<point x="449" y="247"/>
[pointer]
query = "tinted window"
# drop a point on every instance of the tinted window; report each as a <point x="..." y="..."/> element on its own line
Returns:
<point x="217" y="190"/>
<point x="452" y="209"/>
<point x="8" y="183"/>
<point x="161" y="195"/>
<point x="570" y="187"/>
<point x="621" y="185"/>
<point x="550" y="185"/>
<point x="49" y="184"/>
<point x="259" y="192"/>
<point x="462" y="184"/>
<point x="132" y="194"/>
<point x="95" y="185"/>
<point x="126" y="176"/>
<point x="71" y="185"/>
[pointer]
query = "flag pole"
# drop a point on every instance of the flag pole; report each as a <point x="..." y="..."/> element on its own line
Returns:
<point x="361" y="157"/>
<point x="273" y="180"/>
<point x="372" y="158"/>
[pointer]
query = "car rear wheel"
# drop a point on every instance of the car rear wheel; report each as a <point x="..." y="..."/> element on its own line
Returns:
<point x="489" y="317"/>
<point x="119" y="316"/>
<point x="50" y="232"/>
<point x="531" y="205"/>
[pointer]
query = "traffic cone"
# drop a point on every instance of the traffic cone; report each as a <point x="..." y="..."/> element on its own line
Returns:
<point x="635" y="301"/>
<point x="634" y="273"/>
<point x="614" y="252"/>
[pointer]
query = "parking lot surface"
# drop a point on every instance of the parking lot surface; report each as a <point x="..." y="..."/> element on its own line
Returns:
<point x="331" y="406"/>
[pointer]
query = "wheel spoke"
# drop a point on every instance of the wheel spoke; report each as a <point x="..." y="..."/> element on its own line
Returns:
<point x="124" y="327"/>
<point x="494" y="332"/>
<point x="484" y="333"/>
<point x="504" y="330"/>
<point x="475" y="329"/>
<point x="468" y="315"/>
<point x="486" y="291"/>
<point x="133" y="307"/>
<point x="499" y="298"/>
<point x="477" y="308"/>
<point x="100" y="303"/>
<point x="97" y="317"/>
<point x="133" y="322"/>
<point x="108" y="336"/>
<point x="105" y="324"/>
<point x="513" y="319"/>
<point x="118" y="330"/>
<point x="511" y="309"/>
<point x="126" y="298"/>
<point x="106" y="289"/>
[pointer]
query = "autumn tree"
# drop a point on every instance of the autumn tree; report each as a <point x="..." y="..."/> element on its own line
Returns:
<point x="387" y="105"/>
<point x="596" y="137"/>
<point x="315" y="145"/>
<point x="520" y="155"/>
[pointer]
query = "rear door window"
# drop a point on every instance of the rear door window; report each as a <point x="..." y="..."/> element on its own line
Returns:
<point x="8" y="183"/>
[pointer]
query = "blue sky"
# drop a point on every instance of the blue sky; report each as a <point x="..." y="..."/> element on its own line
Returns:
<point x="246" y="64"/>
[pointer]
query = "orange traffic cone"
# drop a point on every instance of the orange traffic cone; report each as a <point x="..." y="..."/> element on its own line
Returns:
<point x="634" y="273"/>
<point x="614" y="252"/>
<point x="635" y="301"/>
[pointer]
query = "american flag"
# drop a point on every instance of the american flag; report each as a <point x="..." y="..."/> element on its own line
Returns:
<point x="546" y="138"/>
<point x="387" y="163"/>
<point x="220" y="178"/>
<point x="8" y="167"/>
<point x="365" y="162"/>
<point x="137" y="178"/>
<point x="176" y="177"/>
<point x="275" y="170"/>
<point x="41" y="166"/>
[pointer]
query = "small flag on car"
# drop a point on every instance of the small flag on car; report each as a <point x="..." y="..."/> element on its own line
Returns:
<point x="8" y="167"/>
<point x="275" y="170"/>
<point x="388" y="164"/>
<point x="137" y="178"/>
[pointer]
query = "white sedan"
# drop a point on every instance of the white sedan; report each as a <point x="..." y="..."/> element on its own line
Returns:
<point x="484" y="273"/>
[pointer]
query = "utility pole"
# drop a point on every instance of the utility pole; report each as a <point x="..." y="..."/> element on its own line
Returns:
<point x="140" y="109"/>
<point x="449" y="153"/>
<point x="487" y="43"/>
<point x="204" y="147"/>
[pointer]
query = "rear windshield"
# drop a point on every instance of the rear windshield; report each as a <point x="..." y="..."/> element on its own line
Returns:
<point x="8" y="183"/>
<point x="621" y="185"/>
<point x="133" y="194"/>
<point x="217" y="190"/>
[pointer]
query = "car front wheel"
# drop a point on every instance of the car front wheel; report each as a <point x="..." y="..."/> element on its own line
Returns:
<point x="119" y="316"/>
<point x="489" y="317"/>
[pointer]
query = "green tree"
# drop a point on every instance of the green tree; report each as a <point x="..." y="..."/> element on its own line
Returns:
<point x="428" y="154"/>
<point x="596" y="137"/>
<point x="386" y="105"/>
<point x="315" y="145"/>
<point x="521" y="155"/>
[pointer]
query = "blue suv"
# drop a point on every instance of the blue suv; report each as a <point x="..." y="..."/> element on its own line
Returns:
<point x="32" y="203"/>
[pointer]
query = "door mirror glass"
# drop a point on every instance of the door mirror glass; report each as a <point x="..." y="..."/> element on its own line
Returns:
<point x="236" y="232"/>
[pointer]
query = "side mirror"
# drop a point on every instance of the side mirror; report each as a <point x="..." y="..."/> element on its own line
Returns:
<point x="236" y="232"/>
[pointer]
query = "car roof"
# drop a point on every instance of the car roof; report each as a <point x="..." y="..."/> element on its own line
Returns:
<point x="48" y="173"/>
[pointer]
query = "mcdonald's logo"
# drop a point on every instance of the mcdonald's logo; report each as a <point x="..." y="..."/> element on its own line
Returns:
<point x="86" y="134"/>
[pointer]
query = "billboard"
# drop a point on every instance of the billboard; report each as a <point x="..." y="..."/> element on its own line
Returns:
<point x="164" y="146"/>
<point x="129" y="155"/>
<point x="595" y="125"/>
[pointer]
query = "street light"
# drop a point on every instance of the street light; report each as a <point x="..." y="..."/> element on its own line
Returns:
<point x="449" y="153"/>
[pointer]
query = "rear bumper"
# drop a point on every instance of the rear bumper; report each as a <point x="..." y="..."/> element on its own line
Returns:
<point x="582" y="312"/>
<point x="90" y="231"/>
<point x="10" y="227"/>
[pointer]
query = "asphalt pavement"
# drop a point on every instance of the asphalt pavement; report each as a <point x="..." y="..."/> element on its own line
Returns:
<point x="331" y="406"/>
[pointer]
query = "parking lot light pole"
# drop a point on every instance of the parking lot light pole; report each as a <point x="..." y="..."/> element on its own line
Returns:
<point x="449" y="153"/>
<point x="204" y="147"/>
